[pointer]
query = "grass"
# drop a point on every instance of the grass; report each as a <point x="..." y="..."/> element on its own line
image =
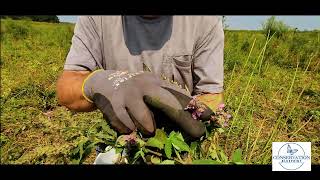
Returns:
<point x="271" y="86"/>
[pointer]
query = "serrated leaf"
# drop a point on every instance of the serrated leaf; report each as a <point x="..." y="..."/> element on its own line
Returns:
<point x="87" y="151"/>
<point x="236" y="156"/>
<point x="205" y="161"/>
<point x="168" y="148"/>
<point x="81" y="144"/>
<point x="155" y="160"/>
<point x="104" y="136"/>
<point x="179" y="136"/>
<point x="153" y="142"/>
<point x="161" y="136"/>
<point x="167" y="162"/>
<point x="180" y="145"/>
<point x="172" y="134"/>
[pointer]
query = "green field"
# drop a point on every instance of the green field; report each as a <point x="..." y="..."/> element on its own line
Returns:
<point x="271" y="87"/>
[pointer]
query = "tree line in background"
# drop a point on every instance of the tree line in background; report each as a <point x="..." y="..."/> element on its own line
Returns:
<point x="272" y="26"/>
<point x="41" y="18"/>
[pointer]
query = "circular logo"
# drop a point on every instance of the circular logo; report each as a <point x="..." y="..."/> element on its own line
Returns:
<point x="291" y="156"/>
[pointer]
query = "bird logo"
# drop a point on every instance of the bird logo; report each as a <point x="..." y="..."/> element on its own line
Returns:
<point x="290" y="150"/>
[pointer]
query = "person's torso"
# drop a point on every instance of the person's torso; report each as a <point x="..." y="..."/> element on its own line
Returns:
<point x="128" y="43"/>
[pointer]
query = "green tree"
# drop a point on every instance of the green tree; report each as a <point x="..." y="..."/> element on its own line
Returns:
<point x="40" y="18"/>
<point x="272" y="26"/>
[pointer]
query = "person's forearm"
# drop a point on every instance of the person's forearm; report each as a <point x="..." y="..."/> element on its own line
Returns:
<point x="69" y="91"/>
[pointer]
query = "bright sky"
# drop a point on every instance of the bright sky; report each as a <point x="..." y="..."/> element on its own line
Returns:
<point x="253" y="22"/>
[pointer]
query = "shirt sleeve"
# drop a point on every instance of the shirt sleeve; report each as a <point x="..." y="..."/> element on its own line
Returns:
<point x="208" y="58"/>
<point x="85" y="51"/>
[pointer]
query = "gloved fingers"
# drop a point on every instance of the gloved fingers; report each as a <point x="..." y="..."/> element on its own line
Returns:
<point x="119" y="119"/>
<point x="161" y="96"/>
<point x="186" y="101"/>
<point x="117" y="125"/>
<point x="141" y="115"/>
<point x="168" y="103"/>
<point x="124" y="117"/>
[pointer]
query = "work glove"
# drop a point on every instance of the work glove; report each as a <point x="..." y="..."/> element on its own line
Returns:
<point x="124" y="97"/>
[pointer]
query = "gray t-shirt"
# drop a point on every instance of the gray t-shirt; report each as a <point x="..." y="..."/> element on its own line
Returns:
<point x="186" y="49"/>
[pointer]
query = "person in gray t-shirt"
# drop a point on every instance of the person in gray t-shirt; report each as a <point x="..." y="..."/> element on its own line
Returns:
<point x="105" y="67"/>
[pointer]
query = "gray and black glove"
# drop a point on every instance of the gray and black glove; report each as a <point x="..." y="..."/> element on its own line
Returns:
<point x="123" y="97"/>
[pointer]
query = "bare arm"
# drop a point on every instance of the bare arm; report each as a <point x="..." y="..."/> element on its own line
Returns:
<point x="69" y="91"/>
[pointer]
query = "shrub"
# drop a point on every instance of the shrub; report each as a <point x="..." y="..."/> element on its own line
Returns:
<point x="19" y="30"/>
<point x="273" y="26"/>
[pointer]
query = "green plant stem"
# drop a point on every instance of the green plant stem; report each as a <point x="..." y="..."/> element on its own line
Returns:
<point x="284" y="107"/>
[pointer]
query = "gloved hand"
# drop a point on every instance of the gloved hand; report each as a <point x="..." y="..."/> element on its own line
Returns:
<point x="122" y="98"/>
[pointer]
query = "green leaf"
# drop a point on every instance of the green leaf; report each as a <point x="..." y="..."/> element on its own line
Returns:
<point x="179" y="145"/>
<point x="239" y="162"/>
<point x="142" y="155"/>
<point x="213" y="154"/>
<point x="179" y="136"/>
<point x="137" y="155"/>
<point x="194" y="145"/>
<point x="87" y="151"/>
<point x="172" y="134"/>
<point x="178" y="154"/>
<point x="207" y="133"/>
<point x="167" y="162"/>
<point x="224" y="158"/>
<point x="205" y="161"/>
<point x="104" y="136"/>
<point x="168" y="148"/>
<point x="155" y="160"/>
<point x="236" y="156"/>
<point x="75" y="161"/>
<point x="161" y="136"/>
<point x="193" y="149"/>
<point x="140" y="142"/>
<point x="81" y="148"/>
<point x="118" y="150"/>
<point x="121" y="141"/>
<point x="153" y="142"/>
